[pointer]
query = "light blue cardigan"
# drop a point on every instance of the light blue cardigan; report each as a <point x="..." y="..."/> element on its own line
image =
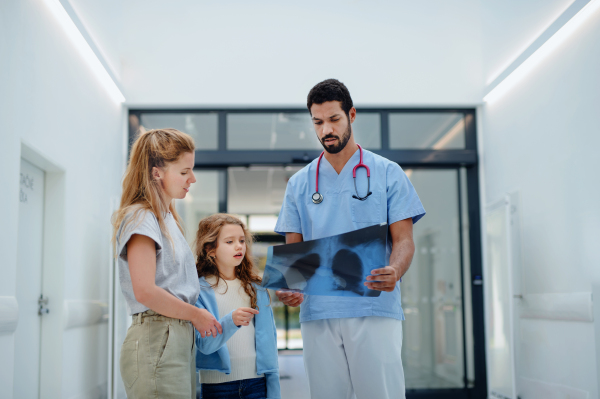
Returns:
<point x="212" y="352"/>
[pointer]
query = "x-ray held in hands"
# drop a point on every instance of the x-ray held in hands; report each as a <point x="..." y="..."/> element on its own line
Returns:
<point x="332" y="266"/>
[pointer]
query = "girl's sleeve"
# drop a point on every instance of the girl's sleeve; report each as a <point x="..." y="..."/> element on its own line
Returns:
<point x="212" y="344"/>
<point x="273" y="385"/>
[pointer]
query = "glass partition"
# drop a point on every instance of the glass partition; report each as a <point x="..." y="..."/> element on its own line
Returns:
<point x="367" y="130"/>
<point x="203" y="127"/>
<point x="292" y="131"/>
<point x="200" y="202"/>
<point x="427" y="130"/>
<point x="270" y="131"/>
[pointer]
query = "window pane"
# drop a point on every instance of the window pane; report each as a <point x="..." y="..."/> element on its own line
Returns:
<point x="427" y="130"/>
<point x="367" y="130"/>
<point x="200" y="202"/>
<point x="291" y="131"/>
<point x="203" y="127"/>
<point x="272" y="131"/>
<point x="257" y="190"/>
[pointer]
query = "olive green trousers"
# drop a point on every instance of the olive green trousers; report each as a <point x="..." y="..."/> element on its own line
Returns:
<point x="158" y="358"/>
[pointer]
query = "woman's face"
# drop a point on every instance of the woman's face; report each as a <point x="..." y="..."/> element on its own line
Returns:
<point x="176" y="177"/>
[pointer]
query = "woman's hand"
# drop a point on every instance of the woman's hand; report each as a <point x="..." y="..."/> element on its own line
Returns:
<point x="206" y="324"/>
<point x="242" y="316"/>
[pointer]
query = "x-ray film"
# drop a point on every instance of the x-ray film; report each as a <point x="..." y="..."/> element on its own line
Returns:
<point x="332" y="266"/>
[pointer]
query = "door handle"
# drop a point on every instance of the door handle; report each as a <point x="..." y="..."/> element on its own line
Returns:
<point x="42" y="302"/>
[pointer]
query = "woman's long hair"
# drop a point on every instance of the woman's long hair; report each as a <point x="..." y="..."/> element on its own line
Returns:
<point x="206" y="242"/>
<point x="141" y="193"/>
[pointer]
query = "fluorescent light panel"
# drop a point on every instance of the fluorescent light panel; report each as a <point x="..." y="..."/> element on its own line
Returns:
<point x="541" y="53"/>
<point x="85" y="50"/>
<point x="526" y="45"/>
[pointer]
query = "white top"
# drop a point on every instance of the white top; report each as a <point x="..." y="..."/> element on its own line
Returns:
<point x="242" y="346"/>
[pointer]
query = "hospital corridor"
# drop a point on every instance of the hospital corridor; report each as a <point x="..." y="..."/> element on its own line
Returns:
<point x="473" y="130"/>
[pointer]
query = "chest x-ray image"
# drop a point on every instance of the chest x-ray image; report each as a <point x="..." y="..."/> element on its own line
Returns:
<point x="332" y="266"/>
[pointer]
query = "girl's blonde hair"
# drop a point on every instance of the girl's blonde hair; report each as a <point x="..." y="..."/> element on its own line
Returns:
<point x="206" y="242"/>
<point x="141" y="193"/>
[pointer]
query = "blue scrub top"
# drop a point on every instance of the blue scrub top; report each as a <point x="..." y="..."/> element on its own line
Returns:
<point x="394" y="198"/>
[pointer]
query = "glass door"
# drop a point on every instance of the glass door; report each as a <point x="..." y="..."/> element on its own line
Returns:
<point x="435" y="301"/>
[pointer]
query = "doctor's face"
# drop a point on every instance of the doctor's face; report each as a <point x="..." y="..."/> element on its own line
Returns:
<point x="332" y="125"/>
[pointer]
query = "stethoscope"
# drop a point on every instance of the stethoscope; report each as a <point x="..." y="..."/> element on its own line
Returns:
<point x="317" y="198"/>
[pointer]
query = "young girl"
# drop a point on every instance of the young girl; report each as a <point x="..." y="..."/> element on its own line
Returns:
<point x="242" y="362"/>
<point x="156" y="270"/>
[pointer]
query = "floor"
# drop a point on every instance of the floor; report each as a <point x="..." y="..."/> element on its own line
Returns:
<point x="425" y="379"/>
<point x="294" y="384"/>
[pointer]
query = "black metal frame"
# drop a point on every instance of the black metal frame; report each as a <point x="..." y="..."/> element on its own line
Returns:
<point x="221" y="158"/>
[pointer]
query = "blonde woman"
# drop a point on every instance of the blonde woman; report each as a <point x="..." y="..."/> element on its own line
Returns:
<point x="157" y="270"/>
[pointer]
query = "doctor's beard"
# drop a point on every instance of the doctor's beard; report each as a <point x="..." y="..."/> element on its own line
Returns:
<point x="341" y="141"/>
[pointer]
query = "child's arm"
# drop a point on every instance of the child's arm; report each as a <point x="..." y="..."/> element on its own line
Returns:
<point x="211" y="344"/>
<point x="231" y="322"/>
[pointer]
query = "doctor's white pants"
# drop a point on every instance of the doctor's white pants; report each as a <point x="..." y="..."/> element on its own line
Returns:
<point x="354" y="358"/>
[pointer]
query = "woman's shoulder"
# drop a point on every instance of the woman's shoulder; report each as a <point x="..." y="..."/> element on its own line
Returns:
<point x="138" y="220"/>
<point x="139" y="214"/>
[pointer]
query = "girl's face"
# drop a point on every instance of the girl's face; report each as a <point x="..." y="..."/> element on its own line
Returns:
<point x="231" y="248"/>
<point x="176" y="177"/>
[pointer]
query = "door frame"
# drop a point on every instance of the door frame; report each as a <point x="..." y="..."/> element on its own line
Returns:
<point x="53" y="260"/>
<point x="222" y="158"/>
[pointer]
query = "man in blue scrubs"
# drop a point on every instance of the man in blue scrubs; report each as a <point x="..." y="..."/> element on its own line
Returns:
<point x="352" y="346"/>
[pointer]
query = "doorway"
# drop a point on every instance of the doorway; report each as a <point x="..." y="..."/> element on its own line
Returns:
<point x="244" y="157"/>
<point x="32" y="303"/>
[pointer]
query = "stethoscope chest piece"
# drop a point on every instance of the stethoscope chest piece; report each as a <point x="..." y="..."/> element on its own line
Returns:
<point x="317" y="198"/>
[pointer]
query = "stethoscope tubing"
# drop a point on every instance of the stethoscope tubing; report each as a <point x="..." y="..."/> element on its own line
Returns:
<point x="360" y="164"/>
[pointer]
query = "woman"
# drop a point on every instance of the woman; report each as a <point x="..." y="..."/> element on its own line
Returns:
<point x="157" y="270"/>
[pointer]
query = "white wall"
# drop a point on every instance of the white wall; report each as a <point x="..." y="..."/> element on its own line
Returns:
<point x="541" y="139"/>
<point x="50" y="99"/>
<point x="270" y="52"/>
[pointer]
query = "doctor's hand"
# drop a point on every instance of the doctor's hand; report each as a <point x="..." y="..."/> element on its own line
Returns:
<point x="243" y="316"/>
<point x="290" y="298"/>
<point x="383" y="279"/>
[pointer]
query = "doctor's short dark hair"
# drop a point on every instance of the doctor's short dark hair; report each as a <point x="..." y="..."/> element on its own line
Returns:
<point x="330" y="90"/>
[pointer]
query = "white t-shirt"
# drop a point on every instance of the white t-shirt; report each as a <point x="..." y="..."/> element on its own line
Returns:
<point x="175" y="265"/>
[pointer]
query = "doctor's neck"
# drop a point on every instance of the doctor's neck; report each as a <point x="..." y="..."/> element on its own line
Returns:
<point x="339" y="160"/>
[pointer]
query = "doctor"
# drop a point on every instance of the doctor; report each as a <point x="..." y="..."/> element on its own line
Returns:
<point x="352" y="346"/>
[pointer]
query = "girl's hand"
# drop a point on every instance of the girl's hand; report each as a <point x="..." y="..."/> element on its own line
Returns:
<point x="206" y="324"/>
<point x="242" y="316"/>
